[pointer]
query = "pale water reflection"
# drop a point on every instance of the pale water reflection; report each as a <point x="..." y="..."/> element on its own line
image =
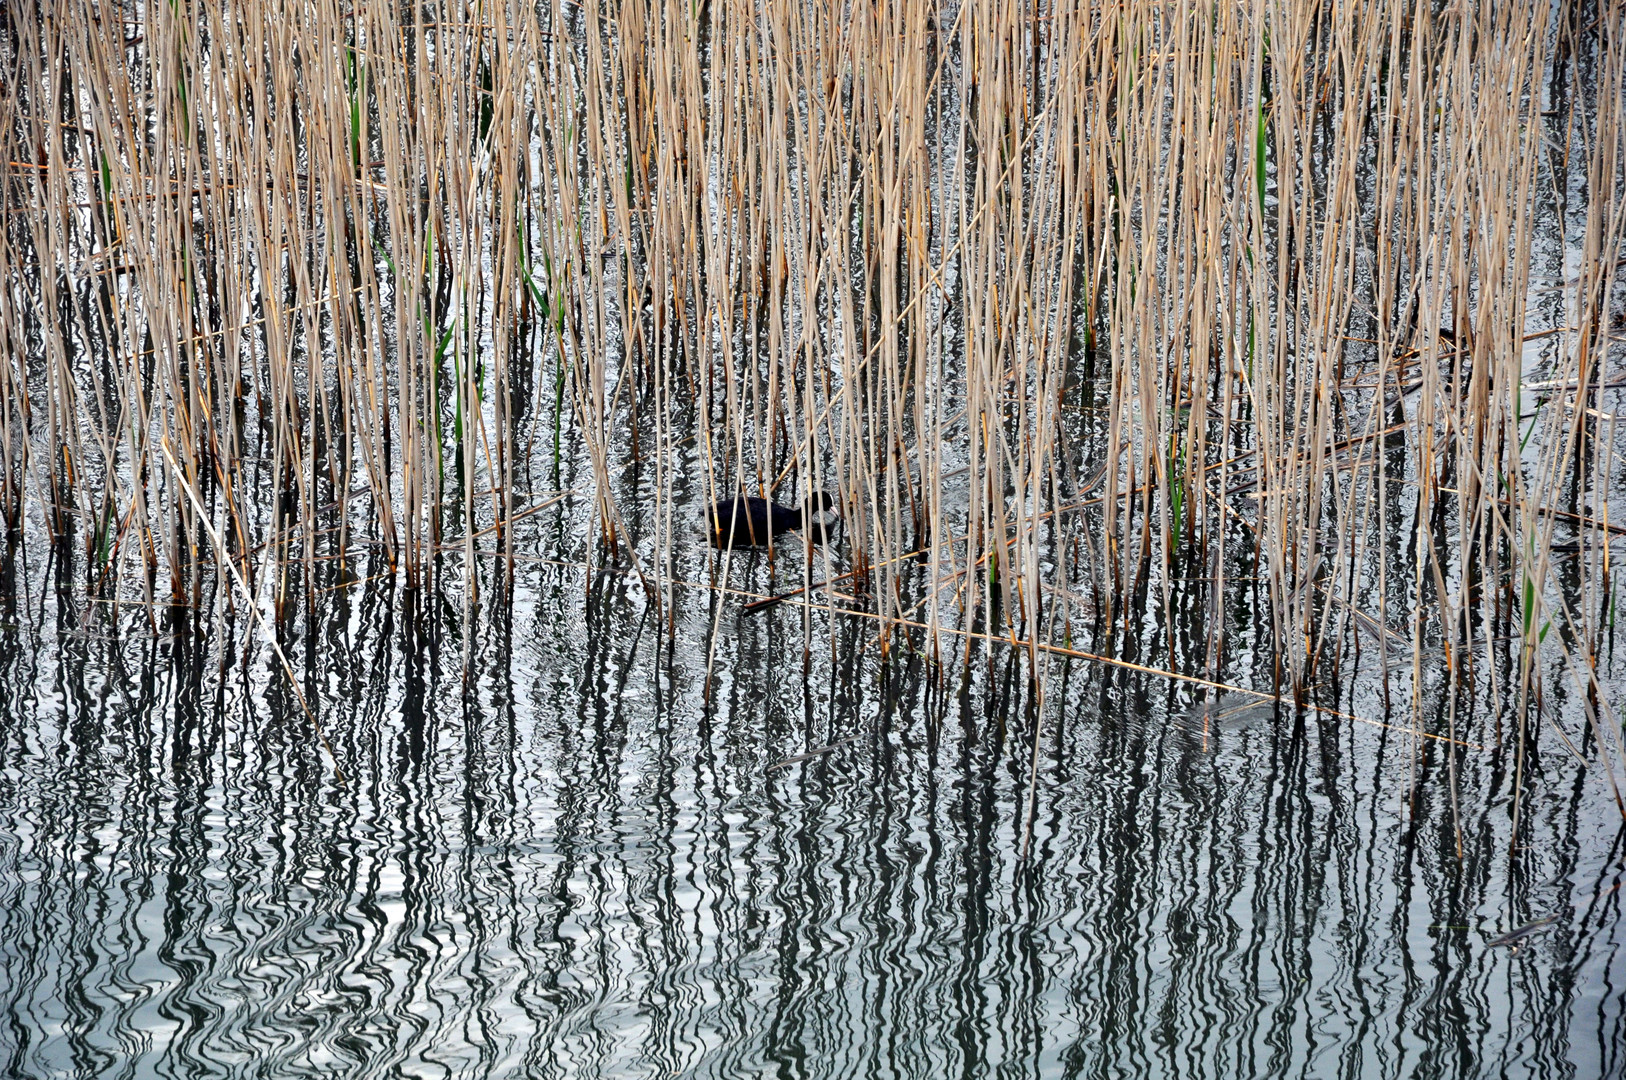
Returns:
<point x="552" y="855"/>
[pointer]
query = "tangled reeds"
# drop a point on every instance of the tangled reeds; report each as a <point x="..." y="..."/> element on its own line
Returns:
<point x="1071" y="304"/>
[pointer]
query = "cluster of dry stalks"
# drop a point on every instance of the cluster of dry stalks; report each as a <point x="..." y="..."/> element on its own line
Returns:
<point x="1073" y="303"/>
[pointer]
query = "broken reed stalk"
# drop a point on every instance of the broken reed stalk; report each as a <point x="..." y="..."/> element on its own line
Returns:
<point x="364" y="268"/>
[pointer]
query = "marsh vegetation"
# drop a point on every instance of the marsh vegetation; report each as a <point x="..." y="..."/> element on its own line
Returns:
<point x="1222" y="373"/>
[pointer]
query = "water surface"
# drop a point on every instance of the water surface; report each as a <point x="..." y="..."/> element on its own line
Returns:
<point x="554" y="851"/>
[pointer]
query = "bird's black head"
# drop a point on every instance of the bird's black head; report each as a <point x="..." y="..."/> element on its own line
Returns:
<point x="820" y="502"/>
<point x="820" y="517"/>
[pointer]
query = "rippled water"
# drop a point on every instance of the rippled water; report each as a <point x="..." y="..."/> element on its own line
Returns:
<point x="551" y="854"/>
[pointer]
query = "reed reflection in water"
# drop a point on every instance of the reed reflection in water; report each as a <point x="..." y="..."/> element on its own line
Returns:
<point x="567" y="862"/>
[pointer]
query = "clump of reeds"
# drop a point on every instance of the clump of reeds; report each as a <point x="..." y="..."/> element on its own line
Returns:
<point x="1070" y="304"/>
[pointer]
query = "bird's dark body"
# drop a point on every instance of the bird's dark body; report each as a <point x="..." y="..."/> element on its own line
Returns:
<point x="749" y="521"/>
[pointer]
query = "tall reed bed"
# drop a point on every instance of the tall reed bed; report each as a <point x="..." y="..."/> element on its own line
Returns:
<point x="1075" y="306"/>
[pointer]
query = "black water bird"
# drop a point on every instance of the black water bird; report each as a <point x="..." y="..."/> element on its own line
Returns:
<point x="748" y="521"/>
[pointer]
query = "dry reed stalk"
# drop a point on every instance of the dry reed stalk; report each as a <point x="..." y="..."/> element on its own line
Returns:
<point x="884" y="250"/>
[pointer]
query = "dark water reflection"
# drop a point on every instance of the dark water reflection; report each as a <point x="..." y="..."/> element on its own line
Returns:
<point x="551" y="856"/>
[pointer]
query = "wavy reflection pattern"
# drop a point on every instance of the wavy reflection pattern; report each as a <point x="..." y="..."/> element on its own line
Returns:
<point x="558" y="849"/>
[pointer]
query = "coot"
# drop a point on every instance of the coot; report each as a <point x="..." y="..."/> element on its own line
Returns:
<point x="747" y="521"/>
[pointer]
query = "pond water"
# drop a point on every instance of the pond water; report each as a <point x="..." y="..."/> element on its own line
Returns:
<point x="572" y="835"/>
<point x="1222" y="293"/>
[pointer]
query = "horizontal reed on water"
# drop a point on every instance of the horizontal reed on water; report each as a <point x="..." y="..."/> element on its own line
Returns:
<point x="1069" y="304"/>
